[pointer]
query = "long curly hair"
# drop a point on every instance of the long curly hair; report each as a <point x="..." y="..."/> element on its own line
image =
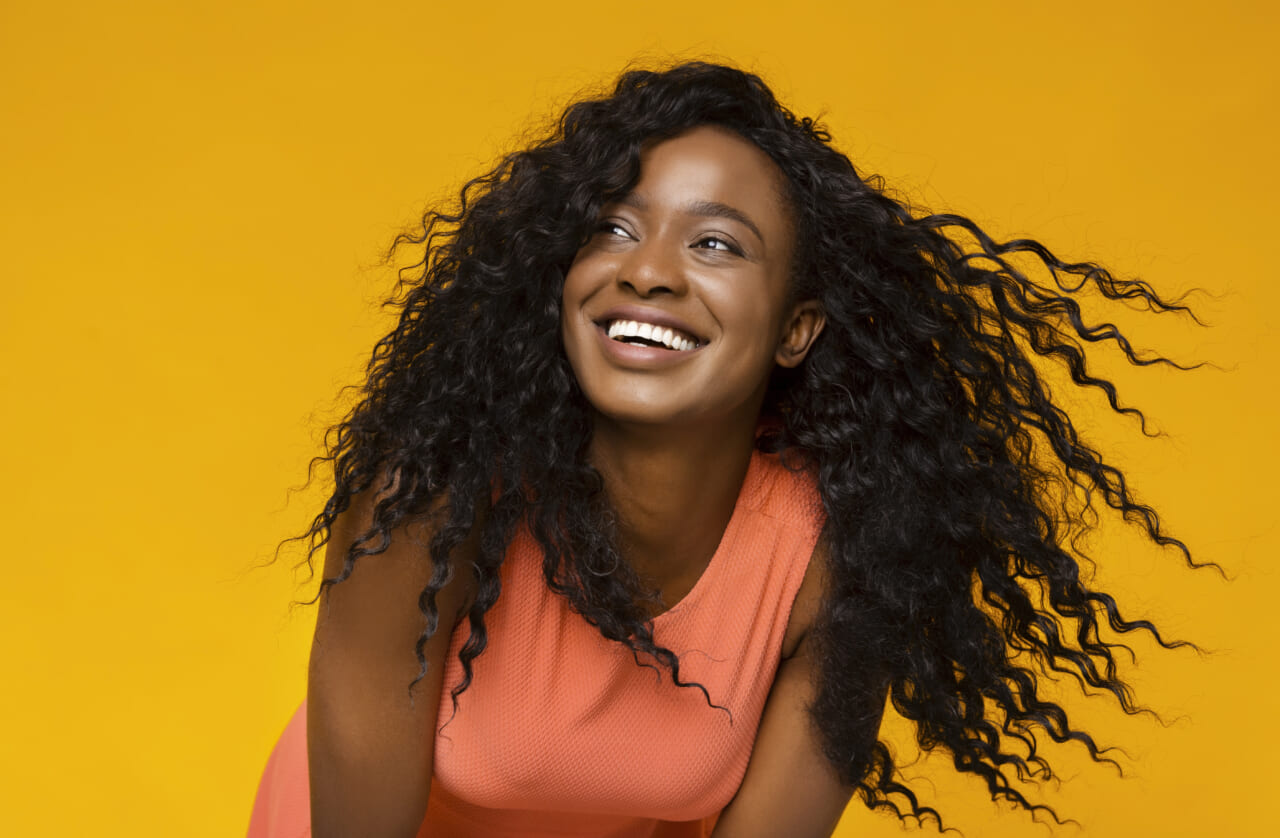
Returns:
<point x="956" y="488"/>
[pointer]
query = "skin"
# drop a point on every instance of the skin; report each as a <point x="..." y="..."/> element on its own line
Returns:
<point x="369" y="741"/>
<point x="706" y="238"/>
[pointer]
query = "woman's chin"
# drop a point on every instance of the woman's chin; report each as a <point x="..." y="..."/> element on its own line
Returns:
<point x="677" y="419"/>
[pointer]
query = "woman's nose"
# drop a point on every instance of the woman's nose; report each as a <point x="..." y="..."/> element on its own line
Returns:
<point x="653" y="267"/>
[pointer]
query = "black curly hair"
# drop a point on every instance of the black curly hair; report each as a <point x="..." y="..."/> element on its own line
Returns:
<point x="955" y="486"/>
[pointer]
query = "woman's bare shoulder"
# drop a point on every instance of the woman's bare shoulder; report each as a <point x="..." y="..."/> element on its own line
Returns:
<point x="809" y="598"/>
<point x="402" y="563"/>
<point x="370" y="734"/>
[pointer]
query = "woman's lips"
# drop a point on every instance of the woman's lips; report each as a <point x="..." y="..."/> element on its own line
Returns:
<point x="629" y="354"/>
<point x="636" y="332"/>
<point x="652" y="317"/>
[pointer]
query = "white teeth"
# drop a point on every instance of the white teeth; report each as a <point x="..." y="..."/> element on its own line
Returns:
<point x="633" y="328"/>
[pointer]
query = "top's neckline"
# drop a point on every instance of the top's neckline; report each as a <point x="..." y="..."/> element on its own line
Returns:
<point x="706" y="579"/>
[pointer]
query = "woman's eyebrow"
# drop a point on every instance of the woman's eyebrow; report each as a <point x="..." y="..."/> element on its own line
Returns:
<point x="702" y="209"/>
<point x="715" y="209"/>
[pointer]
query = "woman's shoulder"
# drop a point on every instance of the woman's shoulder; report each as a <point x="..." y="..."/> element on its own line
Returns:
<point x="784" y="487"/>
<point x="782" y="490"/>
<point x="807" y="605"/>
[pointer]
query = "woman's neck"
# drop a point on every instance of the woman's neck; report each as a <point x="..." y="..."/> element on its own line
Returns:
<point x="673" y="493"/>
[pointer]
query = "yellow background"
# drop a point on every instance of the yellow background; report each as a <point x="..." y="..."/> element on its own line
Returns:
<point x="194" y="197"/>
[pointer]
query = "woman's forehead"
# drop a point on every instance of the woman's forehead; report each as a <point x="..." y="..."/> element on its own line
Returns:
<point x="712" y="171"/>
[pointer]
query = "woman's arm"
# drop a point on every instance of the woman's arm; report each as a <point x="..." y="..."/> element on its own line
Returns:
<point x="790" y="787"/>
<point x="369" y="741"/>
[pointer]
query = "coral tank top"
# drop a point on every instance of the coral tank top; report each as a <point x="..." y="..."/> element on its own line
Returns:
<point x="561" y="733"/>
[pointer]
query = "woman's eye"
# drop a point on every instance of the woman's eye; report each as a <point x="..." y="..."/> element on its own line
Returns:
<point x="609" y="228"/>
<point x="716" y="243"/>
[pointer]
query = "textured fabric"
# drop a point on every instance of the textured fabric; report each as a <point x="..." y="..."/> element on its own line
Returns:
<point x="562" y="734"/>
<point x="282" y="807"/>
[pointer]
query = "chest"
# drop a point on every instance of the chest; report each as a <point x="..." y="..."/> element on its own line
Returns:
<point x="559" y="719"/>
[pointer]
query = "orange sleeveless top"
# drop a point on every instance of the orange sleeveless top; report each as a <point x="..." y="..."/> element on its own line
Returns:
<point x="561" y="733"/>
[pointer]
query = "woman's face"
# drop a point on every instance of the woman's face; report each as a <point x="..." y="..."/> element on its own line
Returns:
<point x="676" y="309"/>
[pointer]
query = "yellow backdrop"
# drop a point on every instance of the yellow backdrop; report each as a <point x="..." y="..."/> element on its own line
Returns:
<point x="194" y="198"/>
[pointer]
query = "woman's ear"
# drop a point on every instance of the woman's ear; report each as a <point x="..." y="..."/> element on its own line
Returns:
<point x="802" y="329"/>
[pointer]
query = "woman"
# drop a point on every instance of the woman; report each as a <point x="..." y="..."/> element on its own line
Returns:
<point x="690" y="446"/>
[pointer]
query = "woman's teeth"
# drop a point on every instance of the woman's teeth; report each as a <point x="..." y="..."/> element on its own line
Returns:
<point x="633" y="331"/>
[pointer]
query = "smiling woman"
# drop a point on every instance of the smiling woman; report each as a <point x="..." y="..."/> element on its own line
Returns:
<point x="701" y="246"/>
<point x="690" y="447"/>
